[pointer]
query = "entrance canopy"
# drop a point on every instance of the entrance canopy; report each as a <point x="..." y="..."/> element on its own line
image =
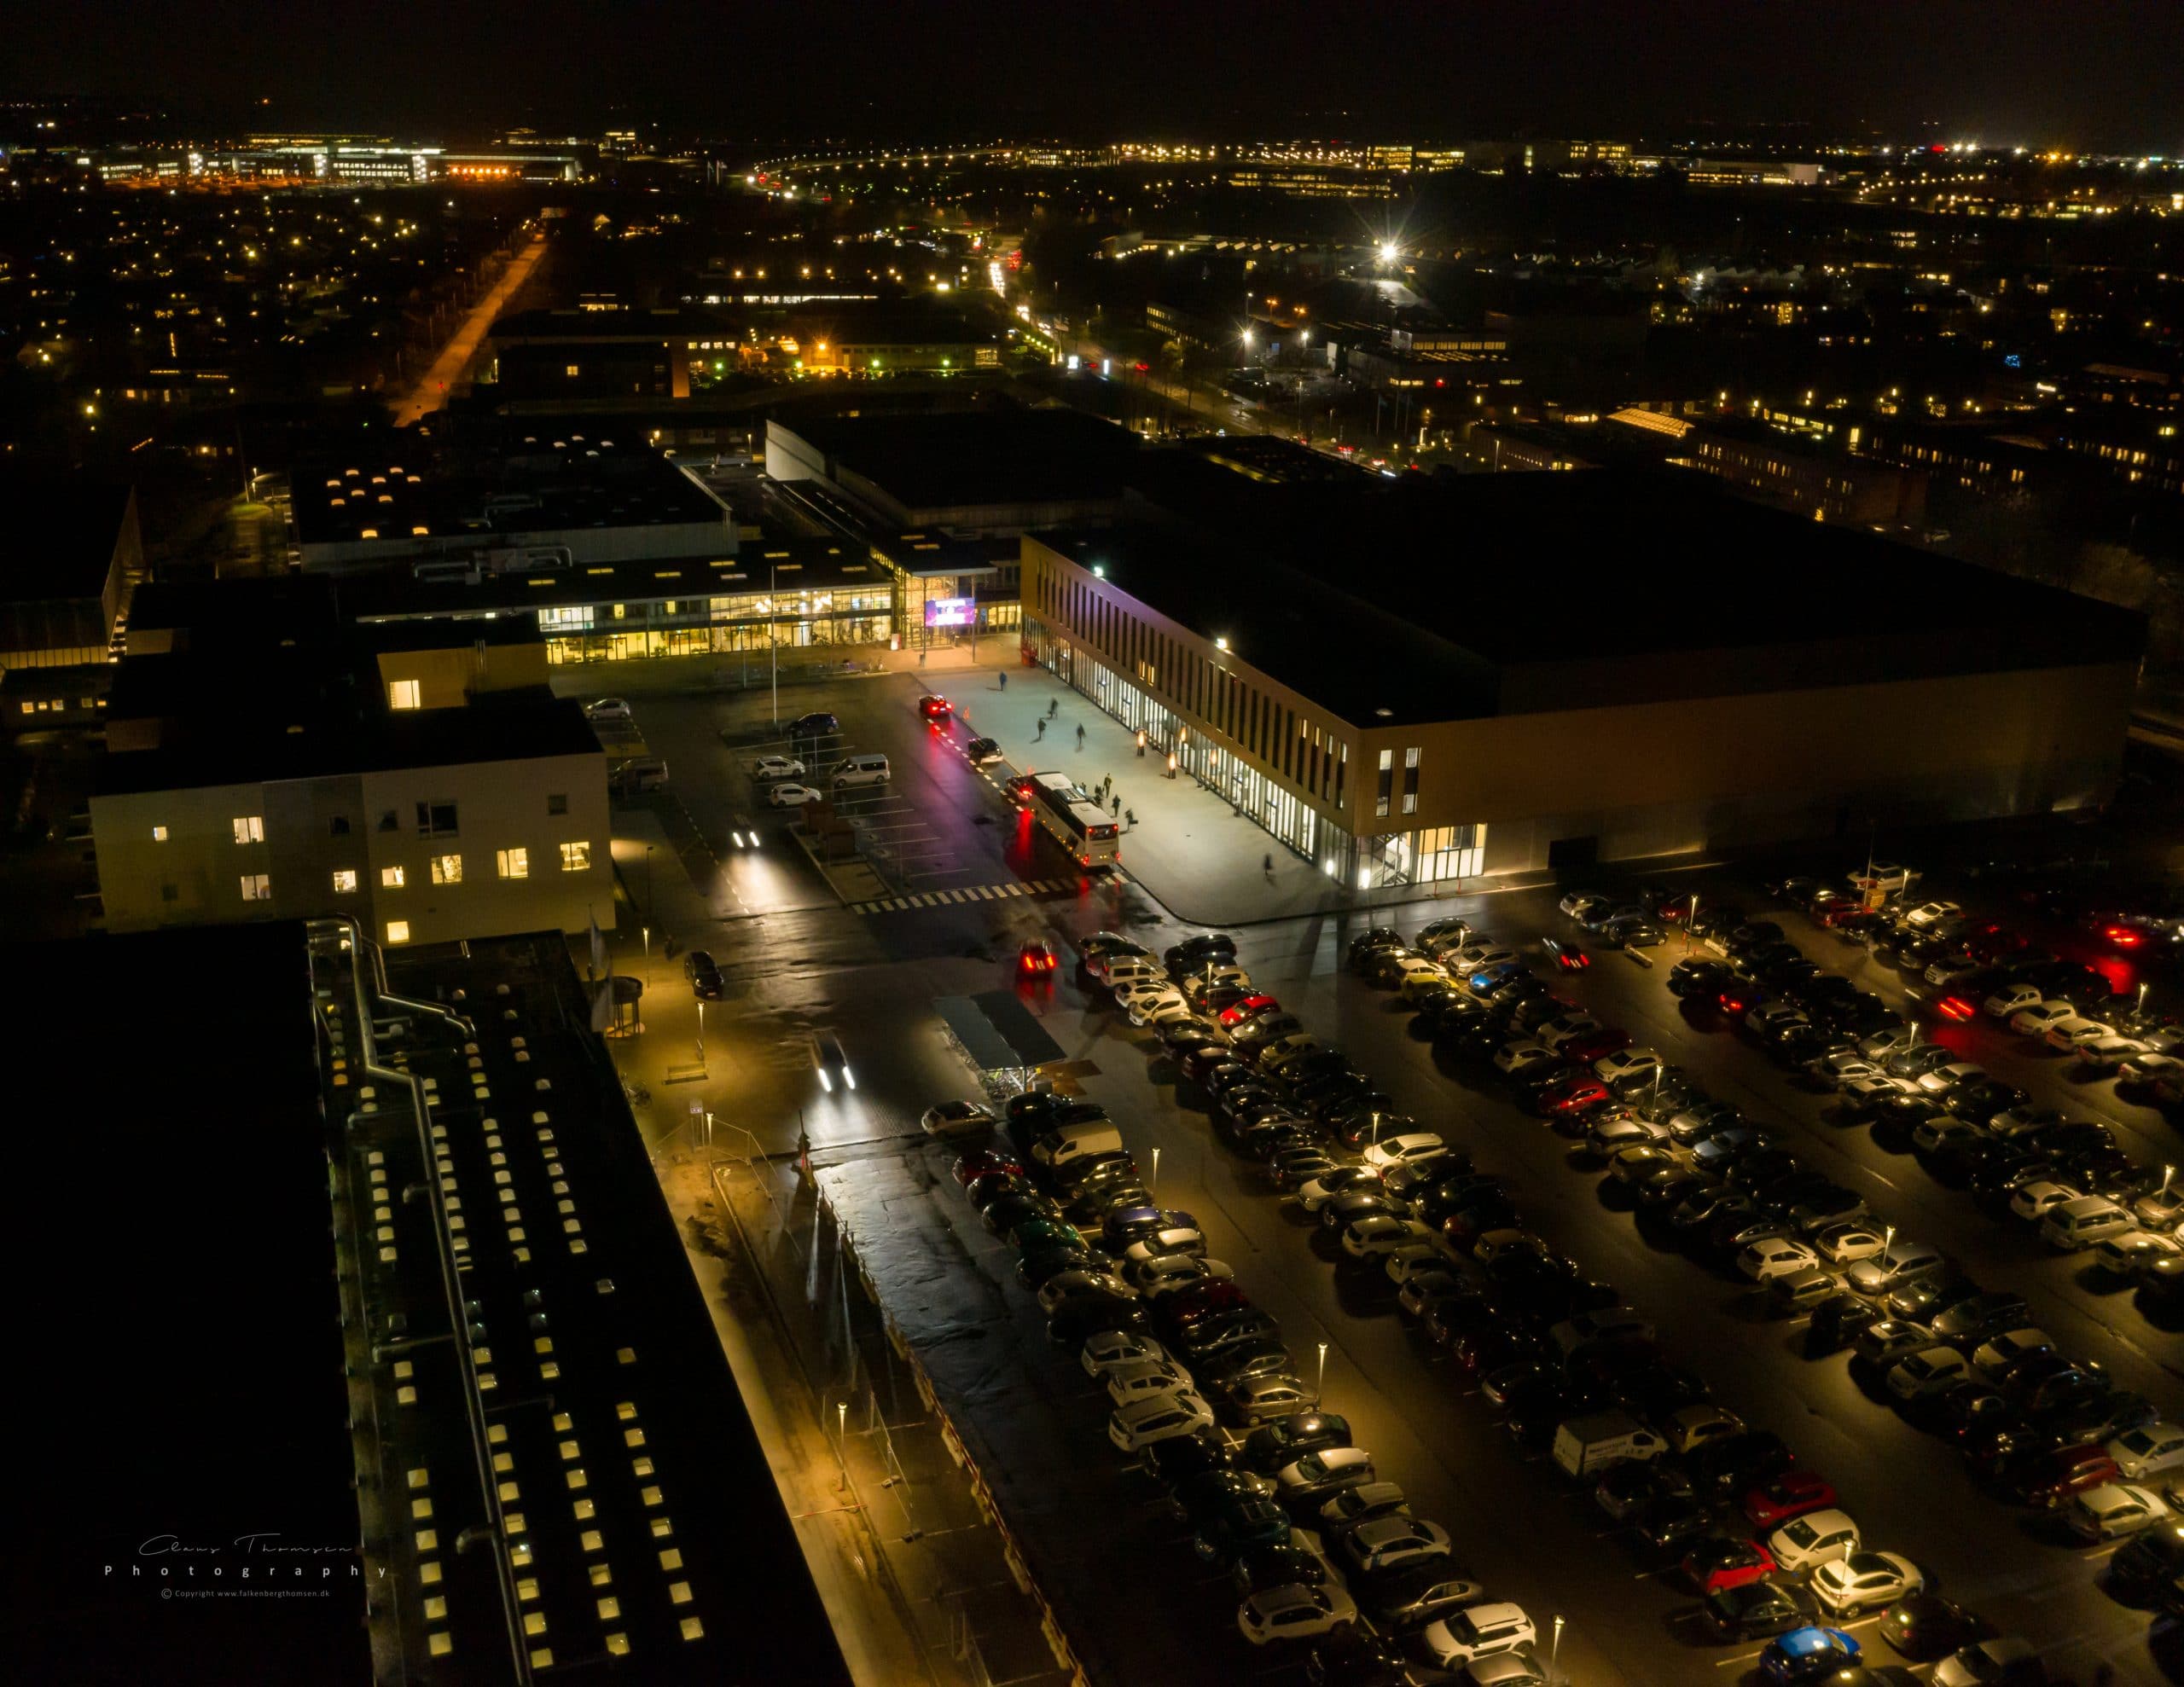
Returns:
<point x="997" y="1031"/>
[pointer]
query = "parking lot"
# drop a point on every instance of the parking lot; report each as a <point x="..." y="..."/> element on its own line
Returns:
<point x="1517" y="1526"/>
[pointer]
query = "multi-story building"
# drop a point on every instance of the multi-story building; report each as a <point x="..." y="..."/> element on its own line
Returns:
<point x="77" y="554"/>
<point x="266" y="762"/>
<point x="1411" y="681"/>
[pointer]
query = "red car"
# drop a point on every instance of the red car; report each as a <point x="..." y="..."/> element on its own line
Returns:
<point x="1789" y="1495"/>
<point x="1572" y="1094"/>
<point x="1250" y="1008"/>
<point x="1597" y="1045"/>
<point x="972" y="1166"/>
<point x="2053" y="1478"/>
<point x="1036" y="959"/>
<point x="935" y="708"/>
<point x="1724" y="1563"/>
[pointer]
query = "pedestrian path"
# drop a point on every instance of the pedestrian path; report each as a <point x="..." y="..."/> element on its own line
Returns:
<point x="973" y="893"/>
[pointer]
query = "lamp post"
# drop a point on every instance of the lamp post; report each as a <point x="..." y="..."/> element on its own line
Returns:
<point x="1319" y="1382"/>
<point x="1153" y="1186"/>
<point x="773" y="644"/>
<point x="1554" y="1648"/>
<point x="701" y="1031"/>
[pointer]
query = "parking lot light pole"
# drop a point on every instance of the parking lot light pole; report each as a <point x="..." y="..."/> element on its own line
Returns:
<point x="1319" y="1383"/>
<point x="1153" y="1188"/>
<point x="1554" y="1650"/>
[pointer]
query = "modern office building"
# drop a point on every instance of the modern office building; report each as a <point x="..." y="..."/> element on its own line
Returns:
<point x="1426" y="680"/>
<point x="75" y="555"/>
<point x="267" y="760"/>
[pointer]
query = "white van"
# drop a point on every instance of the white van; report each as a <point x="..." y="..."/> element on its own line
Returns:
<point x="1585" y="1445"/>
<point x="856" y="770"/>
<point x="2083" y="1222"/>
<point x="1073" y="1142"/>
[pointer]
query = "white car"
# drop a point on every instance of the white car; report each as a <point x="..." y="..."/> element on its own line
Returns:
<point x="778" y="767"/>
<point x="1295" y="1612"/>
<point x="2161" y="1209"/>
<point x="2076" y="1032"/>
<point x="1343" y="1180"/>
<point x="1405" y="1150"/>
<point x="1846" y="1244"/>
<point x="1477" y="957"/>
<point x="1932" y="1370"/>
<point x="609" y="708"/>
<point x="1379" y="1234"/>
<point x="1145" y="989"/>
<point x="1158" y="1010"/>
<point x="1845" y="1064"/>
<point x="791" y="796"/>
<point x="1137" y="1426"/>
<point x="2148" y="1451"/>
<point x="1496" y="1243"/>
<point x="1930" y="914"/>
<point x="1518" y="1058"/>
<point x="1064" y="1284"/>
<point x="2114" y="1510"/>
<point x="1413" y="1259"/>
<point x="1567" y="1029"/>
<point x="1149" y="1379"/>
<point x="1771" y="1016"/>
<point x="1414" y="967"/>
<point x="956" y="1118"/>
<point x="1171" y="1273"/>
<point x="2108" y="1054"/>
<point x="2008" y="1001"/>
<point x="1872" y="1090"/>
<point x="1898" y="1266"/>
<point x="1176" y="1239"/>
<point x="1107" y="1349"/>
<point x="1318" y="1472"/>
<point x="2033" y="1201"/>
<point x="1386" y="1542"/>
<point x="1994" y="1358"/>
<point x="2033" y="1022"/>
<point x="2143" y="1069"/>
<point x="1629" y="1062"/>
<point x="1860" y="1582"/>
<point x="1775" y="1256"/>
<point x="1817" y="1538"/>
<point x="1477" y="1632"/>
<point x="2127" y="1254"/>
<point x="1695" y="1426"/>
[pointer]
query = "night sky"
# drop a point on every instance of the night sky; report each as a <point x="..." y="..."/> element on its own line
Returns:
<point x="2090" y="73"/>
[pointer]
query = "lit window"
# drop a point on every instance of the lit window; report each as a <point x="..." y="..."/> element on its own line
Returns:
<point x="404" y="694"/>
<point x="391" y="878"/>
<point x="250" y="828"/>
<point x="514" y="863"/>
<point x="570" y="370"/>
<point x="397" y="930"/>
<point x="576" y="857"/>
<point x="29" y="708"/>
<point x="447" y="869"/>
<point x="257" y="887"/>
<point x="344" y="881"/>
<point x="158" y="834"/>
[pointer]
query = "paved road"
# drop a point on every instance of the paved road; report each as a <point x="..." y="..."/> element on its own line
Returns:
<point x="796" y="963"/>
<point x="431" y="392"/>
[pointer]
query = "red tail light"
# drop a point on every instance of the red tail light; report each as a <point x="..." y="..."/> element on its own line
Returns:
<point x="2124" y="938"/>
<point x="1955" y="1007"/>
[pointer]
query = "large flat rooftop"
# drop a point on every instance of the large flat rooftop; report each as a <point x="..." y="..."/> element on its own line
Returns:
<point x="1428" y="598"/>
<point x="956" y="458"/>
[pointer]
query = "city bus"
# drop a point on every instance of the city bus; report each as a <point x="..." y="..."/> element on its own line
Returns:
<point x="1079" y="824"/>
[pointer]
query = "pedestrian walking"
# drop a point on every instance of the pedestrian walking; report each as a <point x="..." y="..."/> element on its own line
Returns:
<point x="1054" y="707"/>
<point x="1042" y="724"/>
<point x="1119" y="808"/>
<point x="1080" y="738"/>
<point x="1004" y="683"/>
<point x="1129" y="819"/>
<point x="1267" y="862"/>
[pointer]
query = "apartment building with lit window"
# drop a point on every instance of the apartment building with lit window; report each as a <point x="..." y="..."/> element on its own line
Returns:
<point x="267" y="762"/>
<point x="1433" y="679"/>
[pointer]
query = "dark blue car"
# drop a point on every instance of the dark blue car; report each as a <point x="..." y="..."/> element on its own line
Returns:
<point x="1807" y="1654"/>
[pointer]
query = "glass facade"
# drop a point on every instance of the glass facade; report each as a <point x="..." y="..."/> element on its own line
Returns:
<point x="701" y="626"/>
<point x="1429" y="856"/>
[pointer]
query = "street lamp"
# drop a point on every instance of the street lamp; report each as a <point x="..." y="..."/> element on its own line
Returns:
<point x="1388" y="251"/>
<point x="1554" y="1650"/>
<point x="1153" y="1186"/>
<point x="1319" y="1383"/>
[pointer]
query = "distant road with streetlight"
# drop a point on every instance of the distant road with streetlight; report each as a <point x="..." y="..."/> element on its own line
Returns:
<point x="431" y="392"/>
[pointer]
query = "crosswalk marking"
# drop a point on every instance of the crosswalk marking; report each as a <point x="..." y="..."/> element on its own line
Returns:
<point x="969" y="893"/>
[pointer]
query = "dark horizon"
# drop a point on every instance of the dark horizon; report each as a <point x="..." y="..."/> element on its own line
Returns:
<point x="2008" y="73"/>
